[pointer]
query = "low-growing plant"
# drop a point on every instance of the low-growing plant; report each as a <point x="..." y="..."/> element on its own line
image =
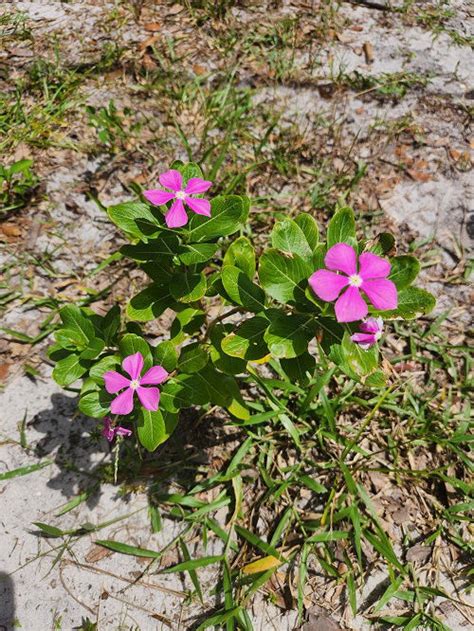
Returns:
<point x="300" y="308"/>
<point x="17" y="183"/>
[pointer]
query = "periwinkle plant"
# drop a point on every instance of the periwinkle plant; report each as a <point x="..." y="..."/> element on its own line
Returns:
<point x="284" y="296"/>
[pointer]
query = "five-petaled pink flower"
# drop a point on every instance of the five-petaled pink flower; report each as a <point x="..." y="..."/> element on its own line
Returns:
<point x="149" y="397"/>
<point x="369" y="275"/>
<point x="111" y="432"/>
<point x="176" y="215"/>
<point x="371" y="332"/>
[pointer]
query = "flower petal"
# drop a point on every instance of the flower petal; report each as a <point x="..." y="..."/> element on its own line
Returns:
<point x="123" y="404"/>
<point x="122" y="431"/>
<point x="158" y="197"/>
<point x="172" y="179"/>
<point x="114" y="381"/>
<point x="365" y="340"/>
<point x="133" y="365"/>
<point x="327" y="285"/>
<point x="382" y="293"/>
<point x="155" y="375"/>
<point x="176" y="215"/>
<point x="350" y="306"/>
<point x="199" y="206"/>
<point x="149" y="398"/>
<point x="197" y="185"/>
<point x="108" y="432"/>
<point x="342" y="257"/>
<point x="372" y="266"/>
<point x="371" y="325"/>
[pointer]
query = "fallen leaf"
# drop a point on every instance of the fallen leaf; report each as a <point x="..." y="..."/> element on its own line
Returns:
<point x="418" y="553"/>
<point x="368" y="52"/>
<point x="152" y="27"/>
<point x="10" y="230"/>
<point x="96" y="553"/>
<point x="261" y="565"/>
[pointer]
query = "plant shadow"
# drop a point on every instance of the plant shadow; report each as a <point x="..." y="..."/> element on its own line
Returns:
<point x="85" y="461"/>
<point x="7" y="603"/>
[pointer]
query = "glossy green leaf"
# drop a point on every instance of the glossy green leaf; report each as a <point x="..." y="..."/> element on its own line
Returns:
<point x="166" y="245"/>
<point x="299" y="369"/>
<point x="188" y="287"/>
<point x="153" y="428"/>
<point x="288" y="335"/>
<point x="310" y="229"/>
<point x="227" y="215"/>
<point x="242" y="290"/>
<point x="288" y="237"/>
<point x="222" y="361"/>
<point x="131" y="344"/>
<point x="341" y="228"/>
<point x="69" y="369"/>
<point x="412" y="302"/>
<point x="242" y="255"/>
<point x="404" y="270"/>
<point x="195" y="253"/>
<point x="135" y="219"/>
<point x="75" y="320"/>
<point x="193" y="358"/>
<point x="165" y="355"/>
<point x="150" y="303"/>
<point x="284" y="278"/>
<point x="247" y="341"/>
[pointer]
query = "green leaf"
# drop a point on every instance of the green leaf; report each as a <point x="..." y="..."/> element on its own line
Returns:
<point x="14" y="473"/>
<point x="383" y="244"/>
<point x="341" y="228"/>
<point x="131" y="344"/>
<point x="94" y="348"/>
<point x="110" y="325"/>
<point x="193" y="358"/>
<point x="299" y="369"/>
<point x="183" y="391"/>
<point x="110" y="362"/>
<point x="74" y="320"/>
<point x="69" y="369"/>
<point x="310" y="229"/>
<point x="150" y="303"/>
<point x="404" y="271"/>
<point x="95" y="403"/>
<point x="222" y="361"/>
<point x="124" y="548"/>
<point x="227" y="215"/>
<point x="242" y="255"/>
<point x="288" y="237"/>
<point x="197" y="253"/>
<point x="193" y="564"/>
<point x="288" y="335"/>
<point x="188" y="287"/>
<point x="242" y="290"/>
<point x="135" y="219"/>
<point x="165" y="355"/>
<point x="352" y="359"/>
<point x="412" y="302"/>
<point x="247" y="341"/>
<point x="165" y="245"/>
<point x="70" y="339"/>
<point x="282" y="277"/>
<point x="188" y="321"/>
<point x="217" y="385"/>
<point x="153" y="428"/>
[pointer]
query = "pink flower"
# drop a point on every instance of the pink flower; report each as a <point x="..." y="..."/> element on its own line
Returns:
<point x="369" y="275"/>
<point x="149" y="397"/>
<point x="371" y="333"/>
<point x="111" y="432"/>
<point x="176" y="215"/>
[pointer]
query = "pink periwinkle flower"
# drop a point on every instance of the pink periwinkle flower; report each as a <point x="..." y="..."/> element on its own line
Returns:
<point x="110" y="432"/>
<point x="371" y="331"/>
<point x="176" y="215"/>
<point x="367" y="275"/>
<point x="149" y="397"/>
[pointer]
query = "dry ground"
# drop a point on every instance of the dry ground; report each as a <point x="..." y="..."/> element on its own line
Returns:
<point x="298" y="103"/>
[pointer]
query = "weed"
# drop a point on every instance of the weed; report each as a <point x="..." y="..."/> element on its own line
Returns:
<point x="17" y="184"/>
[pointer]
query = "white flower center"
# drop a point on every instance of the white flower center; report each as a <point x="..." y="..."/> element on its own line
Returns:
<point x="180" y="195"/>
<point x="355" y="280"/>
<point x="134" y="384"/>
